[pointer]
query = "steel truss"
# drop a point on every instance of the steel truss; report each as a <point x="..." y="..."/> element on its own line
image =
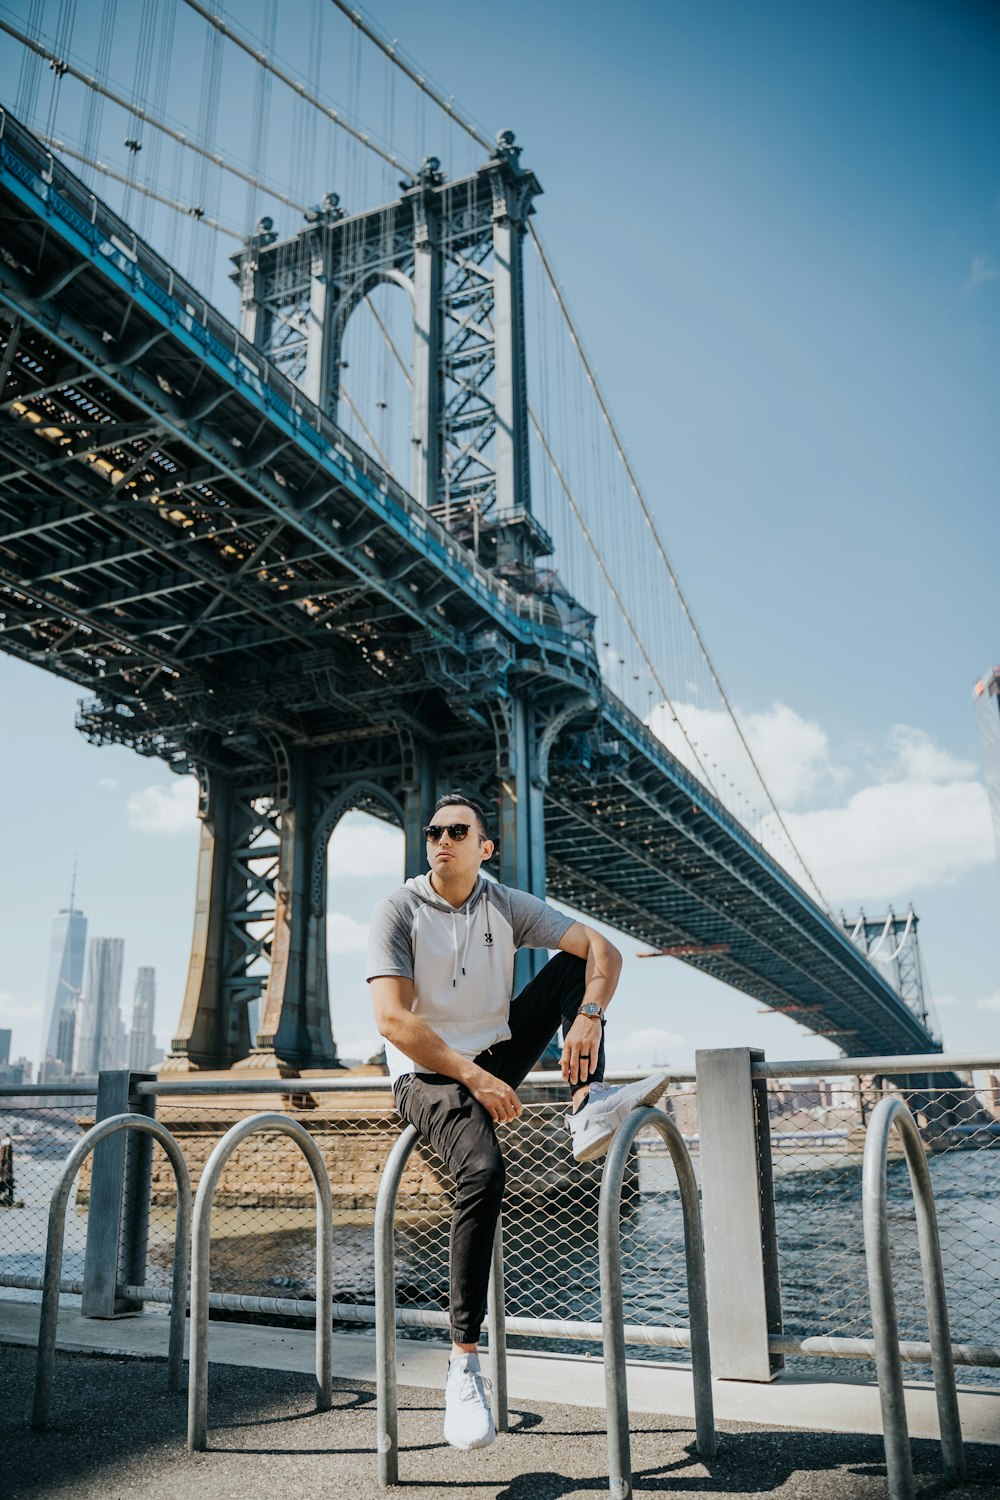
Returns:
<point x="245" y="595"/>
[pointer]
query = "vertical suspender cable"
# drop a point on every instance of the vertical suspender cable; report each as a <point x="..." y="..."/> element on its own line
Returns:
<point x="449" y="108"/>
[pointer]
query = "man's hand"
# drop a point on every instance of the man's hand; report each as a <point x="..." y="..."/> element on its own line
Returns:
<point x="496" y="1097"/>
<point x="581" y="1049"/>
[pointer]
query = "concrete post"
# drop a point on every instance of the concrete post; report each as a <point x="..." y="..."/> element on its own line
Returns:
<point x="118" y="1215"/>
<point x="744" y="1296"/>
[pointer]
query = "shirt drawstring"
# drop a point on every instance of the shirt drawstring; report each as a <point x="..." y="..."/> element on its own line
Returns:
<point x="469" y="920"/>
<point x="454" y="937"/>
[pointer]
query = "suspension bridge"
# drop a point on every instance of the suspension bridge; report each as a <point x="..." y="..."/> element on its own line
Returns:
<point x="379" y="539"/>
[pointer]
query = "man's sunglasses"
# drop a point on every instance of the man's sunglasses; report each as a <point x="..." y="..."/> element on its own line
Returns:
<point x="455" y="831"/>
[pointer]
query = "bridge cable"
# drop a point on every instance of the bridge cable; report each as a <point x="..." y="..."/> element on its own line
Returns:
<point x="298" y="87"/>
<point x="187" y="210"/>
<point x="447" y="106"/>
<point x="150" y="119"/>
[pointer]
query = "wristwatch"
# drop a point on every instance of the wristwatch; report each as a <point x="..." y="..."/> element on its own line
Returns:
<point x="592" y="1009"/>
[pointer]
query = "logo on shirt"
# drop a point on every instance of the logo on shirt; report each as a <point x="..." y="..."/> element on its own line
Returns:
<point x="489" y="940"/>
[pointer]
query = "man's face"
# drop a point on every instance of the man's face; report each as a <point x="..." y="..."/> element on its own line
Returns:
<point x="457" y="858"/>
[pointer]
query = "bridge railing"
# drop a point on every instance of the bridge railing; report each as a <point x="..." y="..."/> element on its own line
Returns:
<point x="801" y="1128"/>
<point x="111" y="238"/>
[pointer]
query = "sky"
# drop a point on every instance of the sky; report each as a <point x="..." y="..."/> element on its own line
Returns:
<point x="779" y="229"/>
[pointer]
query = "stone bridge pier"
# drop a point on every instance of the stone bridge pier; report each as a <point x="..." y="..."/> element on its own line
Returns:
<point x="260" y="921"/>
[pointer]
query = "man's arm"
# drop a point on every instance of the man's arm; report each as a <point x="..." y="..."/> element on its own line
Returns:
<point x="604" y="965"/>
<point x="392" y="1000"/>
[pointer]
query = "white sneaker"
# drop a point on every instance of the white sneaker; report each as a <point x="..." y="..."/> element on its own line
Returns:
<point x="593" y="1126"/>
<point x="468" y="1421"/>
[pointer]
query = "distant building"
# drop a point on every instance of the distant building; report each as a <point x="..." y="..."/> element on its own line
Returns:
<point x="69" y="940"/>
<point x="21" y="1068"/>
<point x="99" y="1032"/>
<point x="987" y="698"/>
<point x="62" y="1063"/>
<point x="4" y="1047"/>
<point x="142" y="1050"/>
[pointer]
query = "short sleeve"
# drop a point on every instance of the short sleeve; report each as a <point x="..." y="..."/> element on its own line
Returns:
<point x="389" y="948"/>
<point x="536" y="924"/>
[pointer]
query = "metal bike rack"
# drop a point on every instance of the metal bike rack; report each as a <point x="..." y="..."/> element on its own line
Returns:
<point x="54" y="1253"/>
<point x="612" y="1316"/>
<point x="385" y="1315"/>
<point x="201" y="1241"/>
<point x="888" y="1114"/>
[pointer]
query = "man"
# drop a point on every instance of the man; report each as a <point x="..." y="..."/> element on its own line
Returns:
<point x="441" y="969"/>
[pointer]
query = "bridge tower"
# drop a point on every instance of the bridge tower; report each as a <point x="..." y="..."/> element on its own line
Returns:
<point x="455" y="248"/>
<point x="893" y="943"/>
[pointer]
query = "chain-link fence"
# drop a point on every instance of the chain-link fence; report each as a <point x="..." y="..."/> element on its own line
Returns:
<point x="263" y="1219"/>
<point x="36" y="1136"/>
<point x="817" y="1131"/>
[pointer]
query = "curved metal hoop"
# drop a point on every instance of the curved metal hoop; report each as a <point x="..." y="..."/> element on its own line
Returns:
<point x="889" y="1114"/>
<point x="612" y="1316"/>
<point x="387" y="1404"/>
<point x="201" y="1242"/>
<point x="54" y="1253"/>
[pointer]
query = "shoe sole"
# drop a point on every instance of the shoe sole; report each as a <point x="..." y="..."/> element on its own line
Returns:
<point x="600" y="1146"/>
<point x="467" y="1447"/>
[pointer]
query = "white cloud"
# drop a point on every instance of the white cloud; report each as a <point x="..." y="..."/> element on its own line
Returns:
<point x="169" y="809"/>
<point x="362" y="846"/>
<point x="107" y="784"/>
<point x="344" y="934"/>
<point x="793" y="753"/>
<point x="982" y="270"/>
<point x="895" y="838"/>
<point x="919" y="759"/>
<point x="946" y="1000"/>
<point x="644" y="1048"/>
<point x="989" y="1002"/>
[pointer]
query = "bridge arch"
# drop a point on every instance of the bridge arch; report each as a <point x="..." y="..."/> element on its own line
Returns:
<point x="373" y="338"/>
<point x="337" y="923"/>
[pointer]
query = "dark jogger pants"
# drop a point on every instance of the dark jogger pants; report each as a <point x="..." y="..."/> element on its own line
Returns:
<point x="464" y="1136"/>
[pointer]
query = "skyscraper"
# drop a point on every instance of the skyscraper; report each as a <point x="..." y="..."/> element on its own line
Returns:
<point x="141" y="1046"/>
<point x="987" y="696"/>
<point x="99" y="1025"/>
<point x="69" y="940"/>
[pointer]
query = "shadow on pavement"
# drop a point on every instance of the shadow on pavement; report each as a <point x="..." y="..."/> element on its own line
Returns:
<point x="117" y="1432"/>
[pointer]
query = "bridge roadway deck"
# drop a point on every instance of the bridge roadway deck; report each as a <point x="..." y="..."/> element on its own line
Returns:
<point x="116" y="1431"/>
<point x="185" y="537"/>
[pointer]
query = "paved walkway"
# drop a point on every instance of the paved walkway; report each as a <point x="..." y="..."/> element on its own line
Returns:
<point x="118" y="1434"/>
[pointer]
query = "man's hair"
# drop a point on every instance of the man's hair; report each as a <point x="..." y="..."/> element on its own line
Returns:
<point x="459" y="799"/>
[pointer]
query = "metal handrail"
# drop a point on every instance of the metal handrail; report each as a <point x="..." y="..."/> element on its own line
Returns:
<point x="201" y="1243"/>
<point x="897" y="1062"/>
<point x="167" y="1086"/>
<point x="887" y="1115"/>
<point x="54" y="1253"/>
<point x="612" y="1316"/>
<point x="387" y="1400"/>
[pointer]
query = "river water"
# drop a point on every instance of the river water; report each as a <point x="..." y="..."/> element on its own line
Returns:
<point x="551" y="1264"/>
